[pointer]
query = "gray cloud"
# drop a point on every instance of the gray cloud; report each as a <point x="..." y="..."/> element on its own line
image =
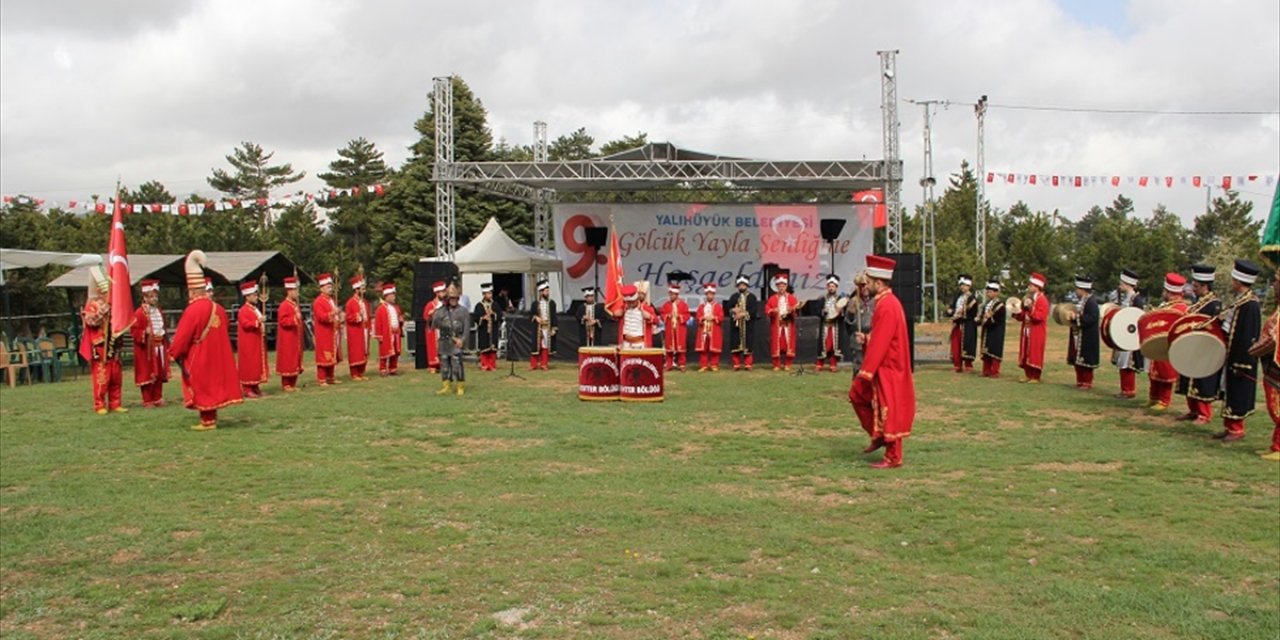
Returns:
<point x="164" y="90"/>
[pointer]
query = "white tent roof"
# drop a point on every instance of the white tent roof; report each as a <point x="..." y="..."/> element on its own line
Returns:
<point x="493" y="251"/>
<point x="24" y="259"/>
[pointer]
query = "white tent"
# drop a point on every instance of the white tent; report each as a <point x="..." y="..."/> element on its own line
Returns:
<point x="24" y="259"/>
<point x="493" y="251"/>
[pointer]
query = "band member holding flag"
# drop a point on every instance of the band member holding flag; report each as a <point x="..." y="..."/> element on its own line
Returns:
<point x="202" y="349"/>
<point x="358" y="321"/>
<point x="388" y="324"/>
<point x="150" y="341"/>
<point x="251" y="341"/>
<point x="781" y="310"/>
<point x="883" y="392"/>
<point x="96" y="345"/>
<point x="707" y="336"/>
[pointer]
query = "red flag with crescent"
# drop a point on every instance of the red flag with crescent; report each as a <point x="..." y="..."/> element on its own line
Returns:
<point x="118" y="271"/>
<point x="870" y="204"/>
<point x="613" y="279"/>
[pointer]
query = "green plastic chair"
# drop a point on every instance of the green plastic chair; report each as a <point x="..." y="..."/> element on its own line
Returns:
<point x="50" y="356"/>
<point x="36" y="360"/>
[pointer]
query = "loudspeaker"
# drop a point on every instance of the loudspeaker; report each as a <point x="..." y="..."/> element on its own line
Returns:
<point x="906" y="285"/>
<point x="425" y="274"/>
<point x="831" y="228"/>
<point x="597" y="236"/>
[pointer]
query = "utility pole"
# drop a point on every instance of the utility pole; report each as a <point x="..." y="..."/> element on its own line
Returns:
<point x="980" y="209"/>
<point x="928" y="239"/>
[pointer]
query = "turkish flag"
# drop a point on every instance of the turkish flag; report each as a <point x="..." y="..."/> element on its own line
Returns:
<point x="1195" y="180"/>
<point x="1168" y="181"/>
<point x="871" y="200"/>
<point x="1142" y="182"/>
<point x="613" y="301"/>
<point x="991" y="177"/>
<point x="1115" y="181"/>
<point x="1079" y="181"/>
<point x="1032" y="178"/>
<point x="1009" y="178"/>
<point x="1055" y="181"/>
<point x="1226" y="182"/>
<point x="118" y="270"/>
<point x="379" y="189"/>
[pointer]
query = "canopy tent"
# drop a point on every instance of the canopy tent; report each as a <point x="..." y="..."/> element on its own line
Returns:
<point x="23" y="259"/>
<point x="493" y="251"/>
<point x="225" y="267"/>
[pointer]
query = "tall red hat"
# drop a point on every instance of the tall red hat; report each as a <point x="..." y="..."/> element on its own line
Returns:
<point x="324" y="278"/>
<point x="880" y="267"/>
<point x="248" y="287"/>
<point x="1036" y="279"/>
<point x="1174" y="282"/>
<point x="357" y="282"/>
<point x="630" y="293"/>
<point x="438" y="287"/>
<point x="388" y="288"/>
<point x="290" y="282"/>
<point x="149" y="285"/>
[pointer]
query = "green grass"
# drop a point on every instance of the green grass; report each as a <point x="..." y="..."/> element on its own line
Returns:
<point x="741" y="507"/>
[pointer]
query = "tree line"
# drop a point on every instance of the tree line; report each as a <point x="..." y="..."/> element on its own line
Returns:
<point x="387" y="234"/>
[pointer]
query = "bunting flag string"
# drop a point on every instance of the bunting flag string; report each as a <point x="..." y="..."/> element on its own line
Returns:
<point x="89" y="205"/>
<point x="1141" y="182"/>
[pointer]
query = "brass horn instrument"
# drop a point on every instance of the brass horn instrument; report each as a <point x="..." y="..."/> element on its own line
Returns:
<point x="740" y="317"/>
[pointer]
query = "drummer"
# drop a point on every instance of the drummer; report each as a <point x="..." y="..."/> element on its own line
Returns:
<point x="1129" y="362"/>
<point x="635" y="322"/>
<point x="1031" y="342"/>
<point x="1083" y="348"/>
<point x="1201" y="392"/>
<point x="1243" y="325"/>
<point x="1161" y="373"/>
<point x="993" y="321"/>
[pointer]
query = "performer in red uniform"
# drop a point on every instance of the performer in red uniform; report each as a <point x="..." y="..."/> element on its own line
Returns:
<point x="1031" y="342"/>
<point x="97" y="346"/>
<point x="326" y="319"/>
<point x="781" y="310"/>
<point x="150" y="341"/>
<point x="1161" y="373"/>
<point x="388" y="324"/>
<point x="883" y="392"/>
<point x="1270" y="358"/>
<point x="675" y="337"/>
<point x="708" y="339"/>
<point x="433" y="336"/>
<point x="289" y="344"/>
<point x="251" y="341"/>
<point x="202" y="348"/>
<point x="358" y="322"/>
<point x="635" y="320"/>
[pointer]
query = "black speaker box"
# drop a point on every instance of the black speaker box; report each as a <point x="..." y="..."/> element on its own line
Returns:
<point x="426" y="274"/>
<point x="831" y="228"/>
<point x="906" y="285"/>
<point x="597" y="236"/>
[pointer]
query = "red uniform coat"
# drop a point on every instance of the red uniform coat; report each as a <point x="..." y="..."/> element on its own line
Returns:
<point x="150" y="360"/>
<point x="251" y="344"/>
<point x="780" y="344"/>
<point x="328" y="323"/>
<point x="289" y="339"/>
<point x="93" y="337"/>
<point x="1032" y="339"/>
<point x="433" y="336"/>
<point x="358" y="320"/>
<point x="706" y="338"/>
<point x="389" y="341"/>
<point x="202" y="345"/>
<point x="887" y="358"/>
<point x="676" y="315"/>
<point x="1162" y="370"/>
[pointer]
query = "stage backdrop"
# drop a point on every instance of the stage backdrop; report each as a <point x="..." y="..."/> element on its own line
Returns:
<point x="715" y="243"/>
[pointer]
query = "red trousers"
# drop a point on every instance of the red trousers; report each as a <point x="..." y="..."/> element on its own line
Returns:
<point x="676" y="359"/>
<point x="862" y="397"/>
<point x="1129" y="382"/>
<point x="208" y="418"/>
<point x="708" y="359"/>
<point x="489" y="361"/>
<point x="289" y="382"/>
<point x="387" y="365"/>
<point x="1233" y="426"/>
<point x="107" y="383"/>
<point x="783" y="361"/>
<point x="741" y="360"/>
<point x="1084" y="377"/>
<point x="324" y="373"/>
<point x="1273" y="408"/>
<point x="539" y="359"/>
<point x="990" y="367"/>
<point x="251" y="390"/>
<point x="152" y="394"/>
<point x="834" y="360"/>
<point x="1160" y="393"/>
<point x="1032" y="373"/>
<point x="357" y="370"/>
<point x="1203" y="411"/>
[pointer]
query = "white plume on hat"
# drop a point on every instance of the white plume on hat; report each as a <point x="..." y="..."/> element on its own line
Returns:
<point x="194" y="268"/>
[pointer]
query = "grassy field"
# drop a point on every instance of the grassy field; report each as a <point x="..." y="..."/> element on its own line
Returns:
<point x="741" y="507"/>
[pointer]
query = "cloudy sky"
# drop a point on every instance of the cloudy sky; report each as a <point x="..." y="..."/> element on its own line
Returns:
<point x="164" y="89"/>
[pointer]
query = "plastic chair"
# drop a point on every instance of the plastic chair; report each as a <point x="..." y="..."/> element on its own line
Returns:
<point x="49" y="354"/>
<point x="36" y="361"/>
<point x="64" y="351"/>
<point x="14" y="364"/>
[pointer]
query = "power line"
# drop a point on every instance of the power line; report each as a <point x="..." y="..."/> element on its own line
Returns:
<point x="1152" y="112"/>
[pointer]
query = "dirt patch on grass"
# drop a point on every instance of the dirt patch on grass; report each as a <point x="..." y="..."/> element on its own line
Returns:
<point x="1067" y="417"/>
<point x="968" y="436"/>
<point x="685" y="451"/>
<point x="126" y="556"/>
<point x="127" y="531"/>
<point x="570" y="468"/>
<point x="440" y="442"/>
<point x="187" y="535"/>
<point x="1079" y="467"/>
<point x="713" y="426"/>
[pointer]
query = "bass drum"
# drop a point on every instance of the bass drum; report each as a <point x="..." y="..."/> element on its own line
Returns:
<point x="1197" y="346"/>
<point x="1153" y="332"/>
<point x="1120" y="328"/>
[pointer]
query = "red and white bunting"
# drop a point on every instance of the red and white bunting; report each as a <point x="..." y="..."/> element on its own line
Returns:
<point x="198" y="208"/>
<point x="1242" y="181"/>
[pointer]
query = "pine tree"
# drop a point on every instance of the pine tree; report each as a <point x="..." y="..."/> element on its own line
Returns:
<point x="359" y="165"/>
<point x="254" y="178"/>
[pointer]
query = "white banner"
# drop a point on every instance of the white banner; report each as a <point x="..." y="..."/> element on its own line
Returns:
<point x="715" y="243"/>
